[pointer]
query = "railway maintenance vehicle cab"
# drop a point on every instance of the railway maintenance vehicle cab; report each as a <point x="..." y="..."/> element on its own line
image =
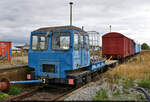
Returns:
<point x="56" y="53"/>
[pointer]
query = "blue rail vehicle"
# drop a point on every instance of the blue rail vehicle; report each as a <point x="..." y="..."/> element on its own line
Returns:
<point x="61" y="55"/>
<point x="137" y="48"/>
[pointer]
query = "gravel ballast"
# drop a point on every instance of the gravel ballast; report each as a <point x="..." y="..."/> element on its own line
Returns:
<point x="87" y="93"/>
<point x="84" y="94"/>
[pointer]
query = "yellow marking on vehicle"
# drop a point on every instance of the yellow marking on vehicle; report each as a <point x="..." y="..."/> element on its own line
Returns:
<point x="110" y="58"/>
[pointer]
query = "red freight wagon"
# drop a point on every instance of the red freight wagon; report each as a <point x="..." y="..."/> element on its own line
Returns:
<point x="131" y="47"/>
<point x="116" y="45"/>
<point x="5" y="50"/>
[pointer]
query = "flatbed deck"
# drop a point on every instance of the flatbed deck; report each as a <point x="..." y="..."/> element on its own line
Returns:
<point x="78" y="73"/>
<point x="110" y="62"/>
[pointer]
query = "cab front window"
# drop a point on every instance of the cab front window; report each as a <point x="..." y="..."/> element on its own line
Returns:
<point x="61" y="40"/>
<point x="39" y="42"/>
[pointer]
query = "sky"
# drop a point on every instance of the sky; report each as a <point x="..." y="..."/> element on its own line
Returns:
<point x="18" y="18"/>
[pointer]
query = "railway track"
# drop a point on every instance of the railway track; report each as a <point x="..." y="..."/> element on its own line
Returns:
<point x="43" y="93"/>
<point x="47" y="93"/>
<point x="23" y="95"/>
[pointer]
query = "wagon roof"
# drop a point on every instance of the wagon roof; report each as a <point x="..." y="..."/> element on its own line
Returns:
<point x="59" y="28"/>
<point x="115" y="34"/>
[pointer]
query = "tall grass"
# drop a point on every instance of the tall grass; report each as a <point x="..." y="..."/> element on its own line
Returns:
<point x="137" y="67"/>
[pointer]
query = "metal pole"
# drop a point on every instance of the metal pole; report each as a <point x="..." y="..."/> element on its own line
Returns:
<point x="71" y="3"/>
<point x="110" y="28"/>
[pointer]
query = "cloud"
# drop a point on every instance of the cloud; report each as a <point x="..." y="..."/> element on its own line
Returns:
<point x="19" y="17"/>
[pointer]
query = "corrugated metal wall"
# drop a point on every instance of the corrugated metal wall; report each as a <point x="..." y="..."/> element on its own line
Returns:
<point x="5" y="50"/>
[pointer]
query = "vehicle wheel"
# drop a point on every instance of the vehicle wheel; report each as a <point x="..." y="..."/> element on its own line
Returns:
<point x="88" y="78"/>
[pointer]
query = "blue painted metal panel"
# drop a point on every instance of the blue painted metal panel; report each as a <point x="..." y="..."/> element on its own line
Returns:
<point x="50" y="56"/>
<point x="82" y="49"/>
<point x="7" y="54"/>
<point x="10" y="51"/>
<point x="81" y="57"/>
<point x="134" y="47"/>
<point x="87" y="52"/>
<point x="97" y="65"/>
<point x="137" y="48"/>
<point x="51" y="62"/>
<point x="77" y="57"/>
<point x="62" y="59"/>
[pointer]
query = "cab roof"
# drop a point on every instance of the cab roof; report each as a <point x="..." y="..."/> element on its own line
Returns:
<point x="59" y="28"/>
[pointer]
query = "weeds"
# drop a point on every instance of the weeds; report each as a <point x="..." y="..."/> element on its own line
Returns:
<point x="14" y="91"/>
<point x="125" y="91"/>
<point x="138" y="67"/>
<point x="3" y="95"/>
<point x="140" y="97"/>
<point x="144" y="84"/>
<point x="101" y="95"/>
<point x="128" y="83"/>
<point x="117" y="93"/>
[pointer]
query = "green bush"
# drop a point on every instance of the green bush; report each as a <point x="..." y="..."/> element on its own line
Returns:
<point x="3" y="95"/>
<point x="14" y="91"/>
<point x="144" y="84"/>
<point x="101" y="95"/>
<point x="144" y="46"/>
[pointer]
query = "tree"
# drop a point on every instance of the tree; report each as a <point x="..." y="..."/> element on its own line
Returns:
<point x="144" y="46"/>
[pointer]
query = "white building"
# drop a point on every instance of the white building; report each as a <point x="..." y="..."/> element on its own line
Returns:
<point x="94" y="39"/>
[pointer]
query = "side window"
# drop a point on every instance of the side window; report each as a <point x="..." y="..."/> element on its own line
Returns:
<point x="76" y="41"/>
<point x="42" y="43"/>
<point x="34" y="42"/>
<point x="82" y="41"/>
<point x="39" y="42"/>
<point x="87" y="42"/>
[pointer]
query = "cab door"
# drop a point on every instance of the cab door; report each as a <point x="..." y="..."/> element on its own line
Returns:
<point x="86" y="50"/>
<point x="76" y="51"/>
<point x="82" y="49"/>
